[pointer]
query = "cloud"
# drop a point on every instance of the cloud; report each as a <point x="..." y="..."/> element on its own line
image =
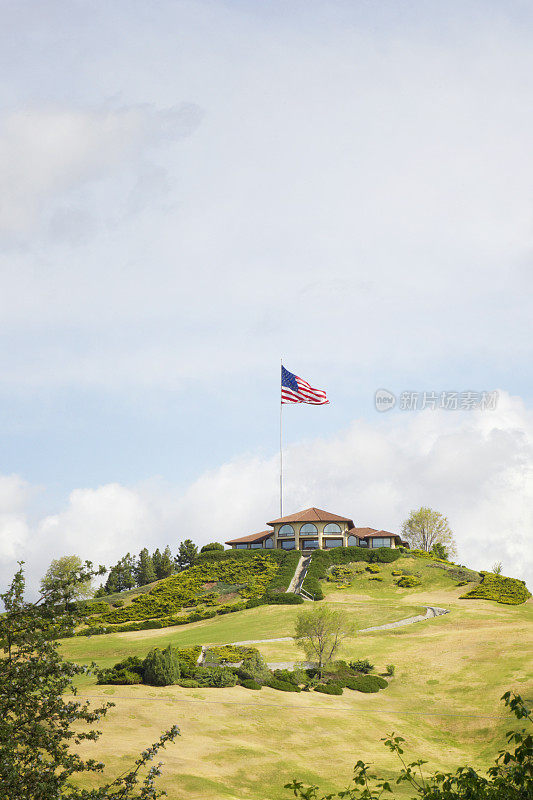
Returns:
<point x="475" y="467"/>
<point x="47" y="153"/>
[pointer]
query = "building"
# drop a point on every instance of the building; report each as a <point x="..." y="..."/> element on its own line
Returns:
<point x="313" y="529"/>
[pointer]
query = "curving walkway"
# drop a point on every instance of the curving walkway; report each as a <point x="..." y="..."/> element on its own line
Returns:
<point x="431" y="612"/>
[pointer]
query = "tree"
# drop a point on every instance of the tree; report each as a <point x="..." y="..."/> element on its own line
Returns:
<point x="163" y="563"/>
<point x="440" y="551"/>
<point x="510" y="778"/>
<point x="187" y="554"/>
<point x="425" y="528"/>
<point x="39" y="725"/>
<point x="320" y="633"/>
<point x="144" y="569"/>
<point x="212" y="546"/>
<point x="122" y="575"/>
<point x="65" y="569"/>
<point x="161" y="667"/>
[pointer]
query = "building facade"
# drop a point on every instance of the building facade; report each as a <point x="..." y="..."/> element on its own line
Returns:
<point x="315" y="529"/>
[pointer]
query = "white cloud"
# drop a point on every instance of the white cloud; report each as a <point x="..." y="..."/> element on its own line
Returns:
<point x="475" y="467"/>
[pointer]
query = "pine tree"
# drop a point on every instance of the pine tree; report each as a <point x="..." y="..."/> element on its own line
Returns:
<point x="187" y="554"/>
<point x="166" y="566"/>
<point x="161" y="667"/>
<point x="121" y="576"/>
<point x="144" y="569"/>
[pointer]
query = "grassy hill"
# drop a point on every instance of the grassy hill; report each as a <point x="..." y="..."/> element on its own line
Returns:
<point x="444" y="698"/>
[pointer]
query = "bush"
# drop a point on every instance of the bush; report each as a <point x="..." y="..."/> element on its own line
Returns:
<point x="250" y="684"/>
<point x="161" y="667"/>
<point x="215" y="677"/>
<point x="509" y="591"/>
<point x="329" y="688"/>
<point x="390" y="669"/>
<point x="372" y="568"/>
<point x="362" y="665"/>
<point x="187" y="683"/>
<point x="285" y="599"/>
<point x="213" y="546"/>
<point x="282" y="686"/>
<point x="129" y="671"/>
<point x="408" y="581"/>
<point x="280" y="582"/>
<point x="255" y="666"/>
<point x="366" y="683"/>
<point x="376" y="578"/>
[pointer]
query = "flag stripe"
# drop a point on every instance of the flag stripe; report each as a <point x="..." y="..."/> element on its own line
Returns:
<point x="305" y="392"/>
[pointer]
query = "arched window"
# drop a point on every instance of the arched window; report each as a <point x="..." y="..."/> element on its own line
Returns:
<point x="332" y="528"/>
<point x="269" y="543"/>
<point x="352" y="541"/>
<point x="308" y="529"/>
<point x="286" y="530"/>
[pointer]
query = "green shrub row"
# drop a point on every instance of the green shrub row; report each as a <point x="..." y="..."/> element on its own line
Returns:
<point x="284" y="575"/>
<point x="329" y="688"/>
<point x="321" y="560"/>
<point x="509" y="591"/>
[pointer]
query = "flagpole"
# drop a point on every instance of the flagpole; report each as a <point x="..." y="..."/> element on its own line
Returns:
<point x="280" y="450"/>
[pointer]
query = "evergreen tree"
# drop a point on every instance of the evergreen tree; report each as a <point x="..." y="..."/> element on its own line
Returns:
<point x="156" y="561"/>
<point x="163" y="563"/>
<point x="187" y="554"/>
<point x="144" y="569"/>
<point x="121" y="576"/>
<point x="212" y="546"/>
<point x="161" y="667"/>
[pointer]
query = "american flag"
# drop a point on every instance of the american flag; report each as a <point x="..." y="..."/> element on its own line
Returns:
<point x="296" y="390"/>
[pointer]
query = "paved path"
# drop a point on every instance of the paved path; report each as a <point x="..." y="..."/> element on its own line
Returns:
<point x="431" y="612"/>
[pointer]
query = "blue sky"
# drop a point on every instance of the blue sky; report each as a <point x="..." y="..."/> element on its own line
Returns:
<point x="192" y="190"/>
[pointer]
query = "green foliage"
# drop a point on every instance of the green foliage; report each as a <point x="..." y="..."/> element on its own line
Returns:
<point x="286" y="599"/>
<point x="187" y="683"/>
<point x="440" y="551"/>
<point x="366" y="683"/>
<point x="250" y="684"/>
<point x="187" y="554"/>
<point x="230" y="653"/>
<point x="144" y="568"/>
<point x="319" y="633"/>
<point x="276" y="590"/>
<point x="373" y="569"/>
<point x="65" y="569"/>
<point x="163" y="563"/>
<point x="39" y="718"/>
<point x="376" y="578"/>
<point x="121" y="576"/>
<point x="93" y="607"/>
<point x="508" y="591"/>
<point x="212" y="546"/>
<point x="328" y="688"/>
<point x="425" y="529"/>
<point x="408" y="581"/>
<point x="390" y="669"/>
<point x="215" y="677"/>
<point x="254" y="666"/>
<point x="362" y="665"/>
<point x="129" y="671"/>
<point x="282" y="686"/>
<point x="161" y="667"/>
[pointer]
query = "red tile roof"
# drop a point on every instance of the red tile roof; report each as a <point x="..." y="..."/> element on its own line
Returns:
<point x="311" y="515"/>
<point x="252" y="537"/>
<point x="382" y="534"/>
<point x="362" y="533"/>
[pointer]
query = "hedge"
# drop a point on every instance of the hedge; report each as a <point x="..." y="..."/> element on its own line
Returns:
<point x="509" y="591"/>
<point x="250" y="684"/>
<point x="408" y="581"/>
<point x="281" y="580"/>
<point x="282" y="686"/>
<point x="369" y="684"/>
<point x="329" y="688"/>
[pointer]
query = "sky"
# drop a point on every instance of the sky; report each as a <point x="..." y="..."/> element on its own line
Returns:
<point x="192" y="191"/>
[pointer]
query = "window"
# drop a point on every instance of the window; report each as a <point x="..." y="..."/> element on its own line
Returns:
<point x="352" y="541"/>
<point x="286" y="530"/>
<point x="379" y="542"/>
<point x="309" y="544"/>
<point x="308" y="529"/>
<point x="269" y="543"/>
<point x="332" y="527"/>
<point x="332" y="542"/>
<point x="241" y="546"/>
<point x="288" y="545"/>
<point x="255" y="545"/>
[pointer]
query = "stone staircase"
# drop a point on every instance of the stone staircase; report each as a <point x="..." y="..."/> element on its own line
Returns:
<point x="295" y="585"/>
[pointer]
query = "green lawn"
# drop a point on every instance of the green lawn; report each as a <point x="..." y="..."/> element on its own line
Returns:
<point x="444" y="698"/>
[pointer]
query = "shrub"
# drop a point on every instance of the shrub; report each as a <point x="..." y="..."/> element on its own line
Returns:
<point x="161" y="667"/>
<point x="376" y="578"/>
<point x="366" y="683"/>
<point x="509" y="591"/>
<point x="230" y="653"/>
<point x="408" y="581"/>
<point x="390" y="669"/>
<point x="372" y="568"/>
<point x="212" y="546"/>
<point x="215" y="677"/>
<point x="129" y="671"/>
<point x="254" y="664"/>
<point x="250" y="684"/>
<point x="362" y="665"/>
<point x="187" y="683"/>
<point x="329" y="688"/>
<point x="282" y="686"/>
<point x="285" y="599"/>
<point x="280" y="581"/>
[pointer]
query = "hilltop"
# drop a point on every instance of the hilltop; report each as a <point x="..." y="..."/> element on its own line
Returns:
<point x="449" y="671"/>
